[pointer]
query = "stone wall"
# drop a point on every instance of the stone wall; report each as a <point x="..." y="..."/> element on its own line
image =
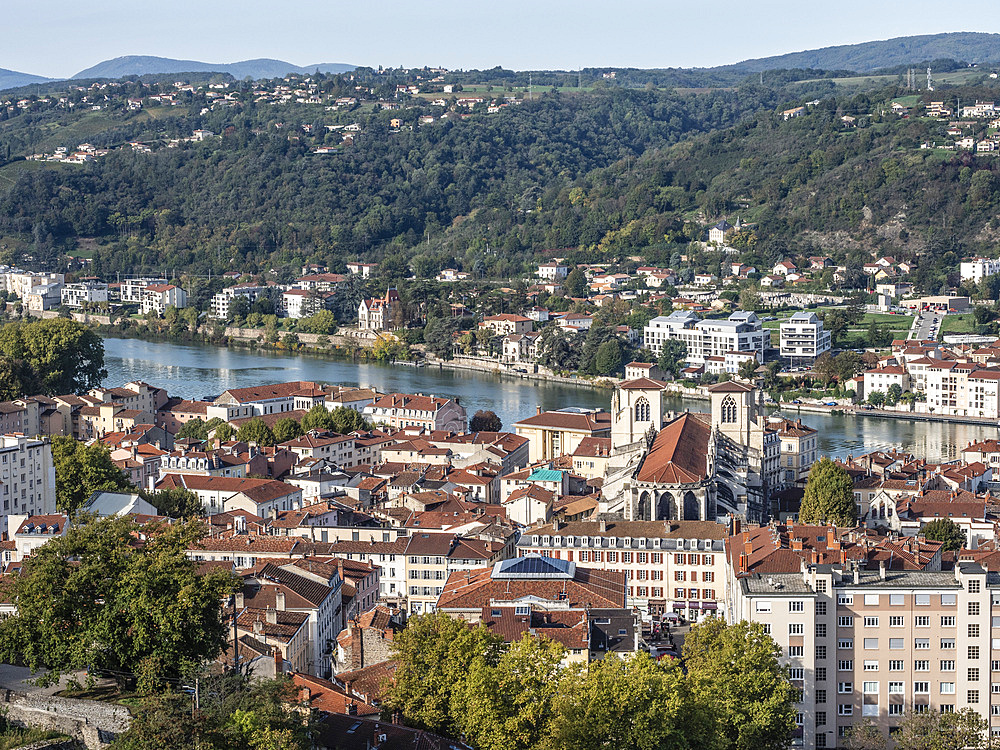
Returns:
<point x="93" y="723"/>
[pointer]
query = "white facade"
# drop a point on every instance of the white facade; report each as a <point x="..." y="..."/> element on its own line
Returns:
<point x="27" y="476"/>
<point x="159" y="297"/>
<point x="219" y="306"/>
<point x="977" y="269"/>
<point x="803" y="338"/>
<point x="132" y="289"/>
<point x="741" y="332"/>
<point x="77" y="295"/>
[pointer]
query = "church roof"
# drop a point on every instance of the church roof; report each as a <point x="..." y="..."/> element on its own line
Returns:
<point x="730" y="386"/>
<point x="642" y="384"/>
<point x="680" y="452"/>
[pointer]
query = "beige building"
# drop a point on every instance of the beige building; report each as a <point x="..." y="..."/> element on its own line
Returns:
<point x="877" y="645"/>
<point x="506" y="324"/>
<point x="557" y="433"/>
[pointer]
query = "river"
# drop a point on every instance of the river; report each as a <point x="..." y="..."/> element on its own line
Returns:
<point x="196" y="371"/>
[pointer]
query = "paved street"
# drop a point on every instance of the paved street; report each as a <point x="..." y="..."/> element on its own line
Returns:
<point x="924" y="328"/>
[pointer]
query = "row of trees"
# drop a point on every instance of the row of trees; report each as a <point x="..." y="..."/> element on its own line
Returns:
<point x="728" y="692"/>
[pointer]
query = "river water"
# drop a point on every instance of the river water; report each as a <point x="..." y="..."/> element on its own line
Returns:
<point x="196" y="371"/>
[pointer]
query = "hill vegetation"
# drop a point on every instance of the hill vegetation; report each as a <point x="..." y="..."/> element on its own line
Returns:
<point x="138" y="65"/>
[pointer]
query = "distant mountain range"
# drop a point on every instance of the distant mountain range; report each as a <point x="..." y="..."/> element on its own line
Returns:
<point x="968" y="46"/>
<point x="131" y="65"/>
<point x="11" y="79"/>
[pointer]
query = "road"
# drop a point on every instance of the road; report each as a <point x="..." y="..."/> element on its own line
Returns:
<point x="924" y="328"/>
<point x="16" y="678"/>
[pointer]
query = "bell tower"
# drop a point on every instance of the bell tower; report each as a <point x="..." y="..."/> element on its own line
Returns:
<point x="734" y="410"/>
<point x="636" y="406"/>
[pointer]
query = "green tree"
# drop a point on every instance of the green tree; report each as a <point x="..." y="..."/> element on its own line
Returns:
<point x="750" y="300"/>
<point x="434" y="653"/>
<point x="734" y="669"/>
<point x="194" y="429"/>
<point x="319" y="418"/>
<point x="576" y="283"/>
<point x="829" y="495"/>
<point x="323" y="322"/>
<point x="876" y="398"/>
<point x="255" y="431"/>
<point x="747" y="369"/>
<point x="286" y="429"/>
<point x="634" y="703"/>
<point x="609" y="357"/>
<point x="174" y="502"/>
<point x="865" y="736"/>
<point x="224" y="432"/>
<point x="67" y="356"/>
<point x="82" y="470"/>
<point x="18" y="379"/>
<point x="930" y="730"/>
<point x="893" y="394"/>
<point x="506" y="703"/>
<point x="947" y="531"/>
<point x="485" y="420"/>
<point x="673" y="354"/>
<point x="93" y="599"/>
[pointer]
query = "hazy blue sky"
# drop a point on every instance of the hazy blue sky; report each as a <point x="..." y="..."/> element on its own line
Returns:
<point x="60" y="37"/>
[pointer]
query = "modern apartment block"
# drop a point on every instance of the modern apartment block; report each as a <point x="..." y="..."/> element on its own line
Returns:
<point x="740" y="332"/>
<point x="27" y="476"/>
<point x="876" y="645"/>
<point x="977" y="269"/>
<point x="803" y="338"/>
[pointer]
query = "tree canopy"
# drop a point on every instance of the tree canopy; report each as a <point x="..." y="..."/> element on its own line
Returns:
<point x="94" y="599"/>
<point x="947" y="531"/>
<point x="485" y="420"/>
<point x="82" y="470"/>
<point x="829" y="495"/>
<point x="59" y="355"/>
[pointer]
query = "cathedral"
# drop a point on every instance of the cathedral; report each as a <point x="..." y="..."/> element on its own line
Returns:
<point x="690" y="466"/>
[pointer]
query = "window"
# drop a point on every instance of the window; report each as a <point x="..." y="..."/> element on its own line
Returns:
<point x="921" y="665"/>
<point x="845" y="687"/>
<point x="845" y="709"/>
<point x="947" y="665"/>
<point x="947" y="688"/>
<point x="821" y="630"/>
<point x="896" y="600"/>
<point x="821" y="696"/>
<point x="847" y="643"/>
<point x="796" y="673"/>
<point x="821" y="652"/>
<point x="795" y="606"/>
<point x="896" y="621"/>
<point x="820" y="608"/>
<point x="895" y="709"/>
<point x="871" y="622"/>
<point x="949" y="600"/>
<point x="947" y="708"/>
<point x="922" y="621"/>
<point x="974" y="586"/>
<point x="948" y="621"/>
<point x="973" y="674"/>
<point x="919" y="687"/>
<point x="895" y="665"/>
<point x="845" y="621"/>
<point x="871" y="600"/>
<point x="871" y="665"/>
<point x="796" y="628"/>
<point x="821" y="738"/>
<point x="973" y="653"/>
<point x="972" y="696"/>
<point x="821" y="719"/>
<point x="871" y="643"/>
<point x="845" y="665"/>
<point x="947" y="643"/>
<point x="895" y="644"/>
<point x="820" y="674"/>
<point x="845" y="599"/>
<point x="728" y="410"/>
<point x="795" y="651"/>
<point x="896" y="688"/>
<point x="642" y="410"/>
<point x="973" y="608"/>
<point x="921" y="643"/>
<point x="973" y="630"/>
<point x="922" y="600"/>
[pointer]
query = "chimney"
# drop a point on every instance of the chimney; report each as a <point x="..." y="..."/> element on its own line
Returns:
<point x="603" y="525"/>
<point x="748" y="548"/>
<point x="279" y="600"/>
<point x="271" y="615"/>
<point x="239" y="600"/>
<point x="279" y="662"/>
<point x="538" y="410"/>
<point x="797" y="545"/>
<point x="744" y="562"/>
<point x="258" y="627"/>
<point x="857" y="575"/>
<point x="881" y="569"/>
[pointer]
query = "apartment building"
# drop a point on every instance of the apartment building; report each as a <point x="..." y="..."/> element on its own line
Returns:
<point x="803" y="338"/>
<point x="219" y="307"/>
<point x="296" y="395"/>
<point x="131" y="289"/>
<point x="740" y="332"/>
<point x="876" y="645"/>
<point x="799" y="448"/>
<point x="84" y="293"/>
<point x="262" y="497"/>
<point x="669" y="566"/>
<point x="552" y="434"/>
<point x="977" y="269"/>
<point x="156" y="298"/>
<point x="27" y="476"/>
<point x="401" y="410"/>
<point x="507" y="324"/>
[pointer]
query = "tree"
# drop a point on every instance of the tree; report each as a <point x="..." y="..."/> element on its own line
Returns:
<point x="434" y="653"/>
<point x="347" y="420"/>
<point x="224" y="432"/>
<point x="68" y="357"/>
<point x="18" y="379"/>
<point x="255" y="431"/>
<point x="82" y="470"/>
<point x="286" y="429"/>
<point x="609" y="357"/>
<point x="750" y="300"/>
<point x="485" y="420"/>
<point x="576" y="283"/>
<point x="235" y="712"/>
<point x="673" y="353"/>
<point x="194" y="429"/>
<point x="865" y="736"/>
<point x="388" y="348"/>
<point x="930" y="730"/>
<point x="323" y="322"/>
<point x="876" y="398"/>
<point x="630" y="703"/>
<point x="505" y="703"/>
<point x="747" y="369"/>
<point x="893" y="394"/>
<point x="174" y="502"/>
<point x="319" y="418"/>
<point x="829" y="495"/>
<point x="94" y="599"/>
<point x="947" y="531"/>
<point x="734" y="669"/>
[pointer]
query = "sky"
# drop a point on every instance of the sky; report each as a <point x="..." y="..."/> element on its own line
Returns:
<point x="58" y="38"/>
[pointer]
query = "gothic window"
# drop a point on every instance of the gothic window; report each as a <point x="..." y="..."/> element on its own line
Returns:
<point x="728" y="410"/>
<point x="642" y="410"/>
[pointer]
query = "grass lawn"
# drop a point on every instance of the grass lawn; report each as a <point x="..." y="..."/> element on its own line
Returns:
<point x="964" y="323"/>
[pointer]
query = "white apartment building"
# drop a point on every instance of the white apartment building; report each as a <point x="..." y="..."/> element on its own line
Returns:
<point x="964" y="390"/>
<point x="87" y="292"/>
<point x="21" y="283"/>
<point x="803" y="338"/>
<point x="300" y="303"/>
<point x="740" y="332"/>
<point x="977" y="269"/>
<point x="156" y="298"/>
<point x="877" y="645"/>
<point x="219" y="305"/>
<point x="131" y="289"/>
<point x="27" y="476"/>
<point x="553" y="271"/>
